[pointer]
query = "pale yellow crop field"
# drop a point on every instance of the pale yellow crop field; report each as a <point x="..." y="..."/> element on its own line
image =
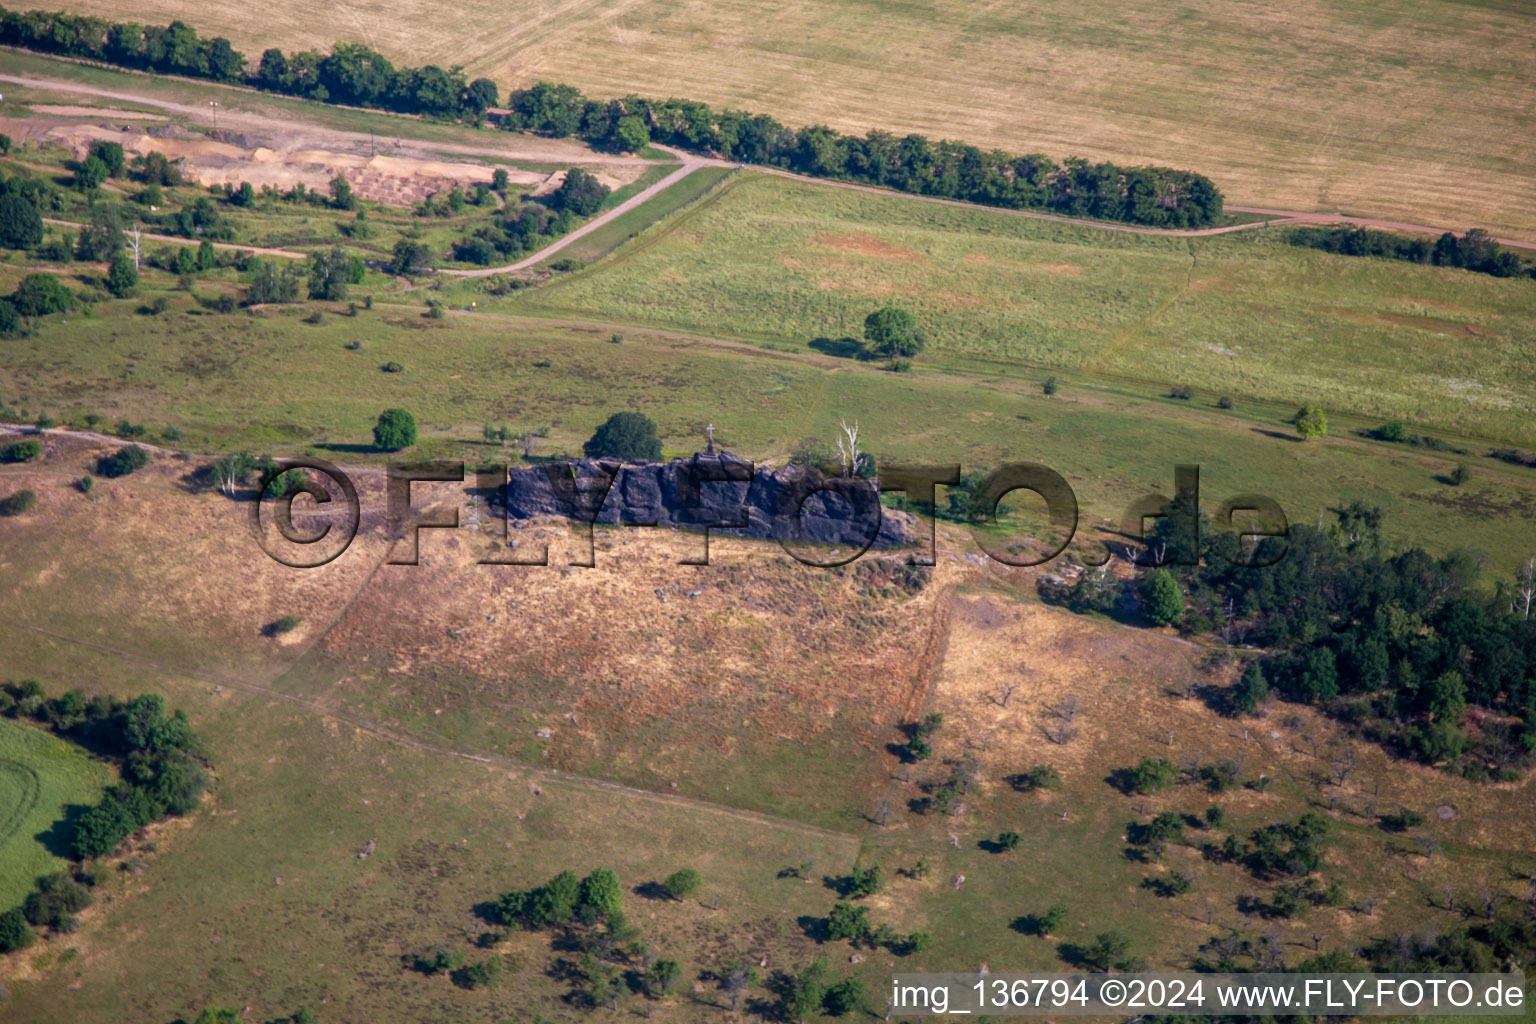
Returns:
<point x="1419" y="110"/>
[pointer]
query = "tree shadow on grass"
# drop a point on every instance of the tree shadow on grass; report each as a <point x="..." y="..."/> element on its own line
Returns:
<point x="58" y="839"/>
<point x="842" y="348"/>
<point x="349" y="449"/>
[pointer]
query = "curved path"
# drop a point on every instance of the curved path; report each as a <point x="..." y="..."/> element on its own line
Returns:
<point x="688" y="163"/>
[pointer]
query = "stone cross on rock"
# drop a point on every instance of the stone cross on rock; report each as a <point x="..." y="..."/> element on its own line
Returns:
<point x="711" y="448"/>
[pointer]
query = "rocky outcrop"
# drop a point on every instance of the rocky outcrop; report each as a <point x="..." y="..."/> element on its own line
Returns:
<point x="715" y="491"/>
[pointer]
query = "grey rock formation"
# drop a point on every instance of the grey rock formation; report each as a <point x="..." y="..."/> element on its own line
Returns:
<point x="720" y="492"/>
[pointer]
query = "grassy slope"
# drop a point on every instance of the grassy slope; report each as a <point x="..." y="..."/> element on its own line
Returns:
<point x="213" y="377"/>
<point x="788" y="262"/>
<point x="41" y="778"/>
<point x="1416" y="111"/>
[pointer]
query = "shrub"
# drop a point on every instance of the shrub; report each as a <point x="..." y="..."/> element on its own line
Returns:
<point x="1310" y="422"/>
<point x="1161" y="598"/>
<point x="41" y="294"/>
<point x="1180" y="391"/>
<point x="286" y="624"/>
<point x="900" y="364"/>
<point x="580" y="193"/>
<point x="123" y="277"/>
<point x="682" y="883"/>
<point x="18" y="504"/>
<point x="1460" y="474"/>
<point x="625" y="435"/>
<point x="122" y="462"/>
<point x="1009" y="841"/>
<point x="20" y="451"/>
<point x="14" y="932"/>
<point x="1050" y="386"/>
<point x="566" y="265"/>
<point x="892" y="331"/>
<point x="21" y="223"/>
<point x="10" y="319"/>
<point x="1250" y="690"/>
<point x="1153" y="774"/>
<point x="391" y="367"/>
<point x="1041" y="776"/>
<point x="396" y="429"/>
<point x="1224" y="402"/>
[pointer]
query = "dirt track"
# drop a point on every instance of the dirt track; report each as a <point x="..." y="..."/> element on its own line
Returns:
<point x="529" y="148"/>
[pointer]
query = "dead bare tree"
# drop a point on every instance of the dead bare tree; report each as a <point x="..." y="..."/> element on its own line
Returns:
<point x="1343" y="766"/>
<point x="1065" y="709"/>
<point x="1450" y="899"/>
<point x="1525" y="587"/>
<point x="1002" y="699"/>
<point x="1267" y="952"/>
<point x="525" y="441"/>
<point x="848" y="447"/>
<point x="1490" y="901"/>
<point x="1317" y="941"/>
<point x="1061" y="732"/>
<point x="135" y="239"/>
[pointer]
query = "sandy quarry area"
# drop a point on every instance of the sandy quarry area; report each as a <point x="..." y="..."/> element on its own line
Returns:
<point x="394" y="175"/>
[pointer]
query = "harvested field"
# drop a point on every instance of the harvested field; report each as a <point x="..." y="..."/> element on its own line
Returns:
<point x="1417" y="110"/>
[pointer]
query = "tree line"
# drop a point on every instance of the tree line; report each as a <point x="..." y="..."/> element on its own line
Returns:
<point x="1475" y="251"/>
<point x="1158" y="196"/>
<point x="358" y="75"/>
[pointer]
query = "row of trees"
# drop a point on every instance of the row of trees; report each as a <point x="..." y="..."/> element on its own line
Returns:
<point x="355" y="74"/>
<point x="953" y="170"/>
<point x="175" y="49"/>
<point x="1476" y="250"/>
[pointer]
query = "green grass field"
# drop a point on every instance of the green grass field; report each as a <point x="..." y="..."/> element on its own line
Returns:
<point x="43" y="780"/>
<point x="1246" y="315"/>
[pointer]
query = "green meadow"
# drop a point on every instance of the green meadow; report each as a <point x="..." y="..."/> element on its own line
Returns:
<point x="1246" y="314"/>
<point x="43" y="780"/>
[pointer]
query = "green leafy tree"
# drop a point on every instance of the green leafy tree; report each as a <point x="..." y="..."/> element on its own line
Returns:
<point x="111" y="156"/>
<point x="341" y="193"/>
<point x="1009" y="841"/>
<point x="625" y="435"/>
<point x="601" y="891"/>
<point x="122" y="462"/>
<point x="1310" y="422"/>
<point x="682" y="883"/>
<point x="21" y="222"/>
<point x="1161" y="598"/>
<point x="396" y="429"/>
<point x="1445" y="697"/>
<point x="1319" y="677"/>
<point x="1051" y="921"/>
<point x="14" y="931"/>
<point x="410" y="258"/>
<point x="630" y="134"/>
<point x="892" y="331"/>
<point x="580" y="193"/>
<point x="41" y="294"/>
<point x="1153" y="774"/>
<point x="500" y="180"/>
<point x="123" y="277"/>
<point x="805" y="992"/>
<point x="1250" y="690"/>
<point x="1107" y="951"/>
<point x="270" y="283"/>
<point x="847" y="921"/>
<point x="90" y="174"/>
<point x="660" y="976"/>
<point x="847" y="996"/>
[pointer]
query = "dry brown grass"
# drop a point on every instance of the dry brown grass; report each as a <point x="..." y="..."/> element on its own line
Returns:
<point x="1418" y="111"/>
